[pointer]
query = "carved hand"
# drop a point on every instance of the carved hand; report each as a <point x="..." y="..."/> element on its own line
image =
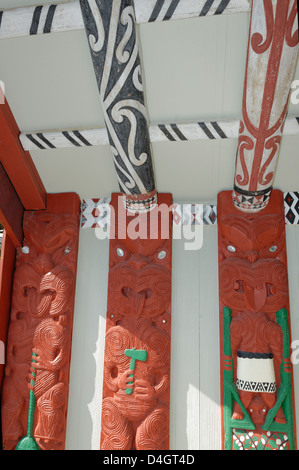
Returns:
<point x="143" y="390"/>
<point x="124" y="380"/>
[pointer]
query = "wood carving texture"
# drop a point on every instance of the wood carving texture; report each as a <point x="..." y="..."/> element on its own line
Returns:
<point x="253" y="283"/>
<point x="138" y="321"/>
<point x="41" y="322"/>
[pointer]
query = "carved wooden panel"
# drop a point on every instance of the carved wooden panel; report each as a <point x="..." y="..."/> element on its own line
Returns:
<point x="41" y="323"/>
<point x="256" y="372"/>
<point x="135" y="408"/>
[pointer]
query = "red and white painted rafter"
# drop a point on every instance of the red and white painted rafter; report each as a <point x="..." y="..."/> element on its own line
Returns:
<point x="58" y="17"/>
<point x="271" y="60"/>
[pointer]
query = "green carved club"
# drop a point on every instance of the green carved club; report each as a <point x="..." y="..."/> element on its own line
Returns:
<point x="135" y="355"/>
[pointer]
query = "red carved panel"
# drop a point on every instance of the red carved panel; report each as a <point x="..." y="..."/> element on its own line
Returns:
<point x="253" y="284"/>
<point x="135" y="408"/>
<point x="41" y="323"/>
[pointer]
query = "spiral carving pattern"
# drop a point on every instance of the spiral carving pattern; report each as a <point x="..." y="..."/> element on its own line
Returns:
<point x="41" y="322"/>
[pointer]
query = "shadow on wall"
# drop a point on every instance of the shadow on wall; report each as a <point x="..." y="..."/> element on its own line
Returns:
<point x="85" y="397"/>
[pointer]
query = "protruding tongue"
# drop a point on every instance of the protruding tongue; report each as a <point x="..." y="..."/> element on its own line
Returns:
<point x="138" y="300"/>
<point x="255" y="296"/>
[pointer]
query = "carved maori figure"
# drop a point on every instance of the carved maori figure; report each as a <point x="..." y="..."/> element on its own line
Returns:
<point x="135" y="411"/>
<point x="253" y="285"/>
<point x="41" y="323"/>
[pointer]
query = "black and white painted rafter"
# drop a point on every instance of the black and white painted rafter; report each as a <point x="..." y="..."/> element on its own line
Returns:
<point x="167" y="132"/>
<point x="57" y="17"/>
<point x="65" y="138"/>
<point x="164" y="10"/>
<point x="113" y="43"/>
<point x="40" y="19"/>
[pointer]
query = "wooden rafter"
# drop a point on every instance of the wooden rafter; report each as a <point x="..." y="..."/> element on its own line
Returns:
<point x="271" y="60"/>
<point x="43" y="19"/>
<point x="173" y="132"/>
<point x="114" y="48"/>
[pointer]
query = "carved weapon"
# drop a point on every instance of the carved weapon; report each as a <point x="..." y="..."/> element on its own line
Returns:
<point x="230" y="391"/>
<point x="28" y="442"/>
<point x="134" y="354"/>
<point x="284" y="394"/>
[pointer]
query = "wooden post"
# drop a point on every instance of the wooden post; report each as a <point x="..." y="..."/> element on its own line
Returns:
<point x="256" y="372"/>
<point x="41" y="320"/>
<point x="136" y="389"/>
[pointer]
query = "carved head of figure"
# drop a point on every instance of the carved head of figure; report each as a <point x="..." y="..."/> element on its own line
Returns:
<point x="49" y="240"/>
<point x="251" y="237"/>
<point x="259" y="286"/>
<point x="139" y="277"/>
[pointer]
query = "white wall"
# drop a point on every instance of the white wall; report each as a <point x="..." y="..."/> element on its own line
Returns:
<point x="195" y="386"/>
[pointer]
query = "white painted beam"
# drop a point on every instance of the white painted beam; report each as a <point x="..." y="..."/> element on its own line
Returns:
<point x="33" y="20"/>
<point x="164" y="10"/>
<point x="158" y="133"/>
<point x="58" y="17"/>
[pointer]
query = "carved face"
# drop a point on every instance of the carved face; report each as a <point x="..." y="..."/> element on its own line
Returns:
<point x="251" y="237"/>
<point x="258" y="286"/>
<point x="50" y="241"/>
<point x="258" y="410"/>
<point x="140" y="284"/>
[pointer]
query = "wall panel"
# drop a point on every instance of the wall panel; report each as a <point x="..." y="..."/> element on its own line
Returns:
<point x="195" y="386"/>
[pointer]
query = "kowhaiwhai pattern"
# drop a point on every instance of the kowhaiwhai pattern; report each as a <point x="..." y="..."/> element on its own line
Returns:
<point x="110" y="28"/>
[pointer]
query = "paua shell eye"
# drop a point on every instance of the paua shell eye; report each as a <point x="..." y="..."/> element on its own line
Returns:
<point x="231" y="248"/>
<point x="162" y="254"/>
<point x="120" y="252"/>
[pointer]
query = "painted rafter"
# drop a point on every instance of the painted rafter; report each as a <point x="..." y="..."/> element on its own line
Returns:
<point x="173" y="132"/>
<point x="58" y="17"/>
<point x="114" y="47"/>
<point x="271" y="60"/>
<point x="41" y="19"/>
<point x="164" y="10"/>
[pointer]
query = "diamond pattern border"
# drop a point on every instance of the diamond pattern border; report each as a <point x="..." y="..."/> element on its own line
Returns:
<point x="96" y="212"/>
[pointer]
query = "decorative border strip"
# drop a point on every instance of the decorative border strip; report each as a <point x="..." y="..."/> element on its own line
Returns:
<point x="291" y="207"/>
<point x="158" y="133"/>
<point x="42" y="19"/>
<point x="96" y="212"/>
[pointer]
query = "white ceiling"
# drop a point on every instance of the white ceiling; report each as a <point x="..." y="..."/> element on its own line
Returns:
<point x="193" y="71"/>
